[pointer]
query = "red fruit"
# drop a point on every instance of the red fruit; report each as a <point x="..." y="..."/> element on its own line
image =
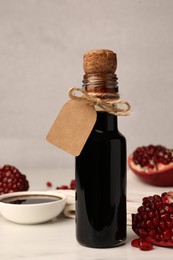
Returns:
<point x="73" y="185"/>
<point x="155" y="232"/>
<point x="153" y="164"/>
<point x="12" y="180"/>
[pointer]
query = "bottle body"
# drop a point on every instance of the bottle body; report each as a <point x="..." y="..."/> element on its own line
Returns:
<point x="100" y="172"/>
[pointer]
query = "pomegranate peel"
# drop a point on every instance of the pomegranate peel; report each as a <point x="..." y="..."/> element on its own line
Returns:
<point x="155" y="228"/>
<point x="153" y="165"/>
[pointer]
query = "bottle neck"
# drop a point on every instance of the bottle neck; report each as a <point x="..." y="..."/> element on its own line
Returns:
<point x="100" y="83"/>
<point x="106" y="122"/>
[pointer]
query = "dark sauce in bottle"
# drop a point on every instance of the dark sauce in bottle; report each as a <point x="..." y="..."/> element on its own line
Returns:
<point x="101" y="186"/>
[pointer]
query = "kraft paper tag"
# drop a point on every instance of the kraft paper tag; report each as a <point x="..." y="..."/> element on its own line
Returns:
<point x="72" y="127"/>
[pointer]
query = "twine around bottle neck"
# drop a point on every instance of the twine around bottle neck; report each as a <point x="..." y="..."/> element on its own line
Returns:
<point x="113" y="105"/>
<point x="101" y="90"/>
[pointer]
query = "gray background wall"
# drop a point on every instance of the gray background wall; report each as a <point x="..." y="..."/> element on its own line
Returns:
<point x="41" y="47"/>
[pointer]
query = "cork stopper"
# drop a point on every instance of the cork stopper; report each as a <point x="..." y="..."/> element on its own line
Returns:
<point x="100" y="61"/>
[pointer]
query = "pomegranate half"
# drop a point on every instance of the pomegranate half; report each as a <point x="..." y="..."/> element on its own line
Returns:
<point x="153" y="222"/>
<point x="153" y="164"/>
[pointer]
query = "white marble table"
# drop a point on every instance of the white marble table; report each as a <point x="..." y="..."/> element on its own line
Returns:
<point x="56" y="239"/>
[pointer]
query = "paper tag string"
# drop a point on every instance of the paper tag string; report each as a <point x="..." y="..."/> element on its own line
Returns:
<point x="109" y="102"/>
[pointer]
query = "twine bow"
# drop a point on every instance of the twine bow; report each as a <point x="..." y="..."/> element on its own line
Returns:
<point x="109" y="102"/>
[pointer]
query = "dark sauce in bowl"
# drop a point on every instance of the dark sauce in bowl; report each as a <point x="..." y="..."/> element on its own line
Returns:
<point x="30" y="199"/>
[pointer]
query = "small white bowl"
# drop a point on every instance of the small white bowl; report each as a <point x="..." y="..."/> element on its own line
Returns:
<point x="32" y="213"/>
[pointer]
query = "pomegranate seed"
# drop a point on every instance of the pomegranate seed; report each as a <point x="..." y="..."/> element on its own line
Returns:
<point x="159" y="205"/>
<point x="165" y="217"/>
<point x="149" y="224"/>
<point x="151" y="214"/>
<point x="145" y="199"/>
<point x="153" y="233"/>
<point x="146" y="203"/>
<point x="167" y="234"/>
<point x="145" y="246"/>
<point x="155" y="221"/>
<point x="73" y="185"/>
<point x="142" y="233"/>
<point x="162" y="225"/>
<point x="49" y="184"/>
<point x="135" y="242"/>
<point x="145" y="217"/>
<point x="169" y="224"/>
<point x="9" y="185"/>
<point x="168" y="208"/>
<point x="141" y="209"/>
<point x="63" y="187"/>
<point x="156" y="198"/>
<point x="143" y="224"/>
<point x="150" y="166"/>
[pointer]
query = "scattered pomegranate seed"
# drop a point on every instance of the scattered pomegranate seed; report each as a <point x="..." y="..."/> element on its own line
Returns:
<point x="145" y="246"/>
<point x="135" y="242"/>
<point x="142" y="244"/>
<point x="72" y="186"/>
<point x="49" y="184"/>
<point x="63" y="187"/>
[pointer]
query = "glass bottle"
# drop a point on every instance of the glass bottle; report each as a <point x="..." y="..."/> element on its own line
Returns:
<point x="100" y="172"/>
